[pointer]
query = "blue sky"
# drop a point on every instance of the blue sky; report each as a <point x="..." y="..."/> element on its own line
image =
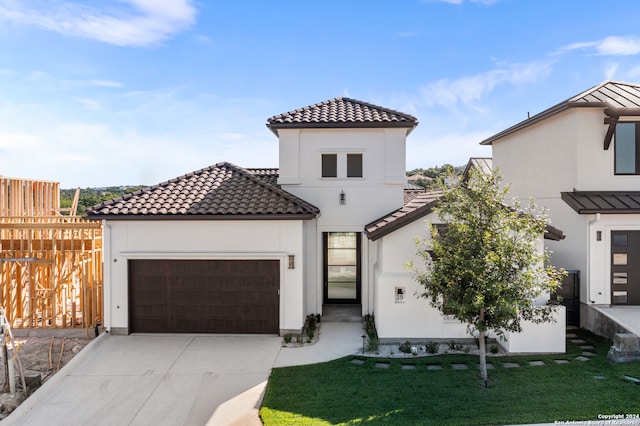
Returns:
<point x="129" y="92"/>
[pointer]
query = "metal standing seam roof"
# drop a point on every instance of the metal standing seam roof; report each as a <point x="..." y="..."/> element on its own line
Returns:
<point x="341" y="113"/>
<point x="612" y="94"/>
<point x="611" y="202"/>
<point x="221" y="191"/>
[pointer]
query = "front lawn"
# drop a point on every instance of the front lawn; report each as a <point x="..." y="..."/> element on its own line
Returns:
<point x="346" y="392"/>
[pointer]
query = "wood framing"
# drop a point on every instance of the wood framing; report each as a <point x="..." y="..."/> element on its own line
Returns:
<point x="51" y="271"/>
<point x="26" y="197"/>
<point x="50" y="264"/>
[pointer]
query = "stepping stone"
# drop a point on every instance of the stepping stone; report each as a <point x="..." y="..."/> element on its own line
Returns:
<point x="357" y="361"/>
<point x="588" y="354"/>
<point x="489" y="366"/>
<point x="510" y="365"/>
<point x="536" y="363"/>
<point x="582" y="358"/>
<point x="561" y="361"/>
<point x="598" y="377"/>
<point x="587" y="347"/>
<point x="408" y="366"/>
<point x="577" y="341"/>
<point x="434" y="367"/>
<point x="572" y="335"/>
<point x="382" y="365"/>
<point x="459" y="366"/>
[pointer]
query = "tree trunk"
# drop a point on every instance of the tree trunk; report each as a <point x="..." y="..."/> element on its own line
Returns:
<point x="483" y="351"/>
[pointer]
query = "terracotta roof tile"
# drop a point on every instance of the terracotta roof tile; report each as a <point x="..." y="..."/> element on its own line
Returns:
<point x="419" y="206"/>
<point x="221" y="190"/>
<point x="342" y="112"/>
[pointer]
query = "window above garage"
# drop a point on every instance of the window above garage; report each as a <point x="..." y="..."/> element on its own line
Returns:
<point x="627" y="148"/>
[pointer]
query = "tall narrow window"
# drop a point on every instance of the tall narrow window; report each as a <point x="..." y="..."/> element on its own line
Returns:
<point x="329" y="165"/>
<point x="354" y="165"/>
<point x="627" y="146"/>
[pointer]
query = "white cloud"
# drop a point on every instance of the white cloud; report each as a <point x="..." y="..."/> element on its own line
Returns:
<point x="105" y="83"/>
<point x="90" y="104"/>
<point x="610" y="46"/>
<point x="471" y="89"/>
<point x="611" y="71"/>
<point x="123" y="23"/>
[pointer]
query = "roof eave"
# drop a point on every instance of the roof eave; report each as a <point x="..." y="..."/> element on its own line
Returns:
<point x="293" y="216"/>
<point x="274" y="127"/>
<point x="399" y="223"/>
<point x="542" y="116"/>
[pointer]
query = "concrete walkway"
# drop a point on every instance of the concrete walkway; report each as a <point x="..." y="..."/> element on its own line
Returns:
<point x="173" y="379"/>
<point x="627" y="316"/>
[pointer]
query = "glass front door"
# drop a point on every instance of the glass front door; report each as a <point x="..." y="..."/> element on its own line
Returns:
<point x="341" y="267"/>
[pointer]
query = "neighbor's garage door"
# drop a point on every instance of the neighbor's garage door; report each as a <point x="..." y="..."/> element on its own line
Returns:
<point x="204" y="296"/>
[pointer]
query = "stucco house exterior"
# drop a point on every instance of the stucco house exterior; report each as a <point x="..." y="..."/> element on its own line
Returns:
<point x="581" y="160"/>
<point x="231" y="250"/>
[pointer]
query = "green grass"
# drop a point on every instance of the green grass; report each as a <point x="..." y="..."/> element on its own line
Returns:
<point x="343" y="393"/>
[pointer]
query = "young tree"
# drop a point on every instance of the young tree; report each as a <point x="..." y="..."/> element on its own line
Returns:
<point x="485" y="266"/>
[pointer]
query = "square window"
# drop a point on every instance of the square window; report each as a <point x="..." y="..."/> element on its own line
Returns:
<point x="354" y="165"/>
<point x="330" y="165"/>
<point x="619" y="240"/>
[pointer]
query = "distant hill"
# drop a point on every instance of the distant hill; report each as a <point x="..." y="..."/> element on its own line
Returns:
<point x="89" y="197"/>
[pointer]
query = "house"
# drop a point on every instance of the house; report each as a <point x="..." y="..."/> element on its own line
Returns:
<point x="581" y="160"/>
<point x="232" y="250"/>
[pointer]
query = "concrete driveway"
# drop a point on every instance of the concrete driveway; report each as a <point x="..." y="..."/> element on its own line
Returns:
<point x="174" y="379"/>
<point x="156" y="380"/>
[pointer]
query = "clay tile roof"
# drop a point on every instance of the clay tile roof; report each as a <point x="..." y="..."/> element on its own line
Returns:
<point x="221" y="191"/>
<point x="419" y="206"/>
<point x="341" y="112"/>
<point x="612" y="94"/>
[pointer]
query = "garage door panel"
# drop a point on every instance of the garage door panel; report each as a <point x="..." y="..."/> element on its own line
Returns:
<point x="204" y="296"/>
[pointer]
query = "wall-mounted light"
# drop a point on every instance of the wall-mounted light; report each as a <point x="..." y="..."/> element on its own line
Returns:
<point x="343" y="198"/>
<point x="598" y="235"/>
<point x="292" y="260"/>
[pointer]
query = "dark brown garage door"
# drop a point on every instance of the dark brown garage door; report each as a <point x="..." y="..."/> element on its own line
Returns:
<point x="204" y="296"/>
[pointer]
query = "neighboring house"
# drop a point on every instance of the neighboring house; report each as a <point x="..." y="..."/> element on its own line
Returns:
<point x="232" y="250"/>
<point x="581" y="160"/>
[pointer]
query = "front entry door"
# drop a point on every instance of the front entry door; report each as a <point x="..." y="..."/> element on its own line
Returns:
<point x="625" y="267"/>
<point x="342" y="267"/>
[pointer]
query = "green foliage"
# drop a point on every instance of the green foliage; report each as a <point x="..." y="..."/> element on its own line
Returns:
<point x="432" y="347"/>
<point x="372" y="334"/>
<point x="287" y="338"/>
<point x="488" y="266"/>
<point x="405" y="347"/>
<point x="434" y="176"/>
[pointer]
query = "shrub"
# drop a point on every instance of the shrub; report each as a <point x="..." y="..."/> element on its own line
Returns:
<point x="432" y="347"/>
<point x="287" y="338"/>
<point x="371" y="333"/>
<point x="405" y="347"/>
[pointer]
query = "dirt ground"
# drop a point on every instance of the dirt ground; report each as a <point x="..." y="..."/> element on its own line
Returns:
<point x="43" y="356"/>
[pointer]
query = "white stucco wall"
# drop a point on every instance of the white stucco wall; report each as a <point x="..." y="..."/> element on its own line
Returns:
<point x="416" y="319"/>
<point x="379" y="191"/>
<point x="186" y="239"/>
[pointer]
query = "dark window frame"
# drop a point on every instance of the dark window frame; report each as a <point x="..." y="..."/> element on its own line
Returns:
<point x="636" y="147"/>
